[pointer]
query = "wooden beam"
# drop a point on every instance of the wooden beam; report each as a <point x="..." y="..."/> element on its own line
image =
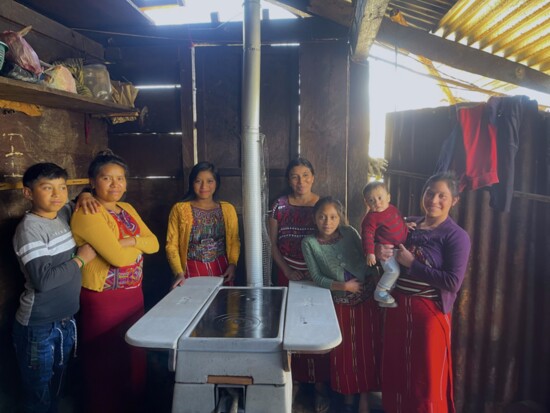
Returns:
<point x="91" y="14"/>
<point x="5" y="186"/>
<point x="358" y="141"/>
<point x="366" y="21"/>
<point x="37" y="94"/>
<point x="296" y="8"/>
<point x="340" y="12"/>
<point x="462" y="57"/>
<point x="273" y="32"/>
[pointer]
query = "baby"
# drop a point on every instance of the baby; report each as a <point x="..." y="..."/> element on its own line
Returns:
<point x="383" y="224"/>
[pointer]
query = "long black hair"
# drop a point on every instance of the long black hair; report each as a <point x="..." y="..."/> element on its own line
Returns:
<point x="200" y="167"/>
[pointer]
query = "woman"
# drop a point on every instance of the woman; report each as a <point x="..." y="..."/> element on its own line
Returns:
<point x="203" y="233"/>
<point x="111" y="299"/>
<point x="335" y="259"/>
<point x="291" y="220"/>
<point x="417" y="368"/>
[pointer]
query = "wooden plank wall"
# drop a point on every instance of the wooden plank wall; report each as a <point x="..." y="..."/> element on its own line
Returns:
<point x="324" y="115"/>
<point x="219" y="115"/>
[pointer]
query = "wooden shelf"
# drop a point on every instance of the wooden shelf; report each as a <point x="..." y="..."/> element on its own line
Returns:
<point x="19" y="91"/>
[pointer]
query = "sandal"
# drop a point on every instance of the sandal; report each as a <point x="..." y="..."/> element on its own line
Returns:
<point x="322" y="403"/>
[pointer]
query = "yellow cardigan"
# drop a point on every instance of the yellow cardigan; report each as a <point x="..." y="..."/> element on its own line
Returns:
<point x="101" y="232"/>
<point x="180" y="223"/>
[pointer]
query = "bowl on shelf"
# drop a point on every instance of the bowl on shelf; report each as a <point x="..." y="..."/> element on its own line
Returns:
<point x="3" y="50"/>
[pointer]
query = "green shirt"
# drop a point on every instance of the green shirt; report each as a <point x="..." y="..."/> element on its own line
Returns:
<point x="328" y="262"/>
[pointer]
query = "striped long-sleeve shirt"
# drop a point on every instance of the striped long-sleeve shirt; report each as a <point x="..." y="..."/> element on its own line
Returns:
<point x="44" y="249"/>
<point x="386" y="227"/>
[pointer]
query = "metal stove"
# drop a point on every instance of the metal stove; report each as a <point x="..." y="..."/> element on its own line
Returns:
<point x="230" y="346"/>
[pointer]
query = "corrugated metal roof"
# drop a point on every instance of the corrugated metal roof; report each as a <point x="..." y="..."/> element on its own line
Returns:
<point x="422" y="14"/>
<point x="518" y="30"/>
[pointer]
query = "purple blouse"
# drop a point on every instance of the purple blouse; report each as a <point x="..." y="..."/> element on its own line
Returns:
<point x="441" y="258"/>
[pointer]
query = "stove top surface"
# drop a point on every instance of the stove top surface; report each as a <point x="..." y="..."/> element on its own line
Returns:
<point x="242" y="313"/>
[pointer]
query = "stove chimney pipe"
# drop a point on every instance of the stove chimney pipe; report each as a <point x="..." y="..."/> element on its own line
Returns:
<point x="251" y="144"/>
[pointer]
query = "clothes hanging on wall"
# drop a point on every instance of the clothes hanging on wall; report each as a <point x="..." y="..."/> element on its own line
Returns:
<point x="479" y="135"/>
<point x="471" y="150"/>
<point x="490" y="136"/>
<point x="509" y="111"/>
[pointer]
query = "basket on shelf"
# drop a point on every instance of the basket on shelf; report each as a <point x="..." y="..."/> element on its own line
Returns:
<point x="3" y="50"/>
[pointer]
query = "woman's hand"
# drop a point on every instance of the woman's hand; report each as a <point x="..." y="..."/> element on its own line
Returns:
<point x="353" y="286"/>
<point x="86" y="253"/>
<point x="229" y="273"/>
<point x="179" y="280"/>
<point x="127" y="242"/>
<point x="404" y="256"/>
<point x="87" y="202"/>
<point x="383" y="251"/>
<point x="410" y="225"/>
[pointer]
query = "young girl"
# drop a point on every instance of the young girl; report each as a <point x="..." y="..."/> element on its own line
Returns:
<point x="335" y="259"/>
<point x="203" y="233"/>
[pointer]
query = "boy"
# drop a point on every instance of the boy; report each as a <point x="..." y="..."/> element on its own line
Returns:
<point x="44" y="331"/>
<point x="383" y="224"/>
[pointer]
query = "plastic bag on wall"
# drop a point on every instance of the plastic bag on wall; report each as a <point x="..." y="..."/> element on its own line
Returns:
<point x="20" y="52"/>
<point x="60" y="78"/>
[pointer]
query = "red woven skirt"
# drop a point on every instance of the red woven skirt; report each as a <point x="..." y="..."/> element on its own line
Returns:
<point x="355" y="363"/>
<point x="208" y="269"/>
<point x="114" y="372"/>
<point x="211" y="269"/>
<point x="417" y="366"/>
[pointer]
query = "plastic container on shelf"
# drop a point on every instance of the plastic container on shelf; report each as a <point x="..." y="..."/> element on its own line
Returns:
<point x="3" y="50"/>
<point x="96" y="78"/>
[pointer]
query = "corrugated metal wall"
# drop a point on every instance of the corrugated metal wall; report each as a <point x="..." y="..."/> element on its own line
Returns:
<point x="501" y="320"/>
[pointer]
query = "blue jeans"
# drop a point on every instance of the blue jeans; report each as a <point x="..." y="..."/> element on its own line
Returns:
<point x="42" y="354"/>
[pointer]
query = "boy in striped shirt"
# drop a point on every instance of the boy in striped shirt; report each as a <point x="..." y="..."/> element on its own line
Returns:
<point x="44" y="331"/>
